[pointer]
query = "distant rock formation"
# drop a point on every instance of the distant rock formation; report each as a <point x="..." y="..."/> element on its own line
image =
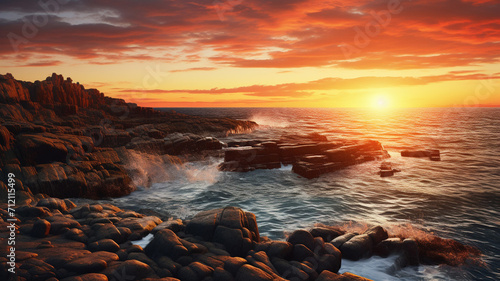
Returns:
<point x="63" y="140"/>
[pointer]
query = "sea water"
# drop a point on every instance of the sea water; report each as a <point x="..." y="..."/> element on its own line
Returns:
<point x="457" y="197"/>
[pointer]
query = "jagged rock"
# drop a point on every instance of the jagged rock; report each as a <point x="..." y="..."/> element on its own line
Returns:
<point x="11" y="90"/>
<point x="67" y="128"/>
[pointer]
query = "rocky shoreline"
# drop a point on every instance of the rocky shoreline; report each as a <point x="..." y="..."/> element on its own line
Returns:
<point x="57" y="240"/>
<point x="60" y="140"/>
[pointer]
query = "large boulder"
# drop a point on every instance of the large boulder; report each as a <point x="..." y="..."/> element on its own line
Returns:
<point x="327" y="233"/>
<point x="358" y="247"/>
<point x="166" y="243"/>
<point x="230" y="226"/>
<point x="302" y="237"/>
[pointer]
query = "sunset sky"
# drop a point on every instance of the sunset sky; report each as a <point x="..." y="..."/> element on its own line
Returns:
<point x="242" y="53"/>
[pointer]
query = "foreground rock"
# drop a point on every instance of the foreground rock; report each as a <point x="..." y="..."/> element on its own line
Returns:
<point x="93" y="242"/>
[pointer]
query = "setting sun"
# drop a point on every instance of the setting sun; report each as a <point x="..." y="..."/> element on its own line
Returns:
<point x="381" y="102"/>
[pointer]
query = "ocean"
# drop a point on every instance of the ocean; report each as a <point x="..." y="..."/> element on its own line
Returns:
<point x="457" y="197"/>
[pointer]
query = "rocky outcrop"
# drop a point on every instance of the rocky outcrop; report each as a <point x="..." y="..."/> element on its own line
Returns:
<point x="311" y="157"/>
<point x="63" y="139"/>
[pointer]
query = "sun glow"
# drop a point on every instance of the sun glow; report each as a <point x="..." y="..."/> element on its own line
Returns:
<point x="380" y="102"/>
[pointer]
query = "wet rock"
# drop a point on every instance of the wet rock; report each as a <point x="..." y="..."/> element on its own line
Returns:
<point x="302" y="237"/>
<point x="328" y="262"/>
<point x="339" y="241"/>
<point x="313" y="170"/>
<point x="301" y="252"/>
<point x="377" y="234"/>
<point x="174" y="225"/>
<point x="387" y="247"/>
<point x="415" y="153"/>
<point x="410" y="251"/>
<point x="328" y="234"/>
<point x="279" y="249"/>
<point x="357" y="247"/>
<point x="346" y="276"/>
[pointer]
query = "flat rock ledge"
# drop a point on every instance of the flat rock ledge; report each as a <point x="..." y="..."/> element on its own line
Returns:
<point x="59" y="240"/>
<point x="311" y="155"/>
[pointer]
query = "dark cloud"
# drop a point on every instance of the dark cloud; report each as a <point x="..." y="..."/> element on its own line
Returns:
<point x="280" y="34"/>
